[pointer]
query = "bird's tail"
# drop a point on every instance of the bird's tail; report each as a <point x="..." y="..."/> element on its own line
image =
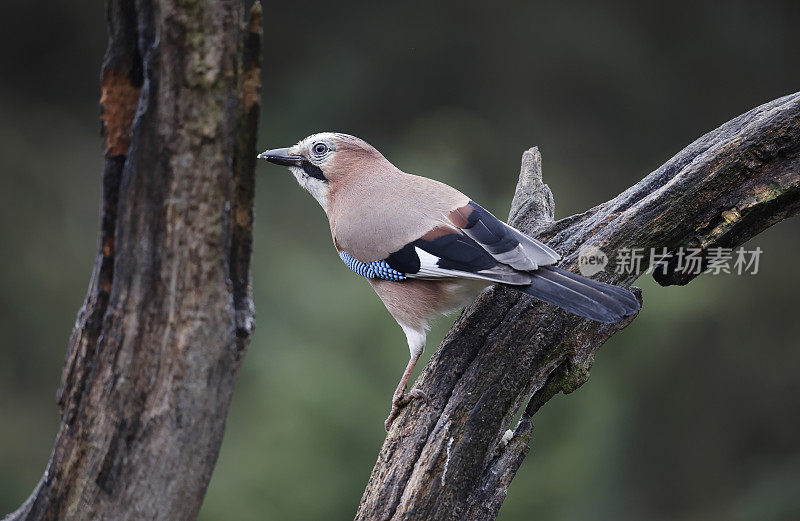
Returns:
<point x="585" y="297"/>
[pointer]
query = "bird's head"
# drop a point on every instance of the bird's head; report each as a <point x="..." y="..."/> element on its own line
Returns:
<point x="323" y="161"/>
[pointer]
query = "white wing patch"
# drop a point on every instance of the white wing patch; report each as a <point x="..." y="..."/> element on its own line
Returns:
<point x="429" y="269"/>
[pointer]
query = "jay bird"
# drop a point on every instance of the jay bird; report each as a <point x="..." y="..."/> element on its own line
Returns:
<point x="425" y="247"/>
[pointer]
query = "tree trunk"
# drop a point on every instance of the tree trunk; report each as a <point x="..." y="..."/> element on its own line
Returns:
<point x="154" y="355"/>
<point x="454" y="457"/>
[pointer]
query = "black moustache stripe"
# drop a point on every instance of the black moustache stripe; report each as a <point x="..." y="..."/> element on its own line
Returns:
<point x="313" y="170"/>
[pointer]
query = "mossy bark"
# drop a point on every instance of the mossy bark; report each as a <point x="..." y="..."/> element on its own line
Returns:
<point x="151" y="365"/>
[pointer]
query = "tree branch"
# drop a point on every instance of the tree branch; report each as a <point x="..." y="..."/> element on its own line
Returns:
<point x="451" y="458"/>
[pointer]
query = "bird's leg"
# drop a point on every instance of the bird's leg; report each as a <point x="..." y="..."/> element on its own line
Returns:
<point x="400" y="398"/>
<point x="416" y="344"/>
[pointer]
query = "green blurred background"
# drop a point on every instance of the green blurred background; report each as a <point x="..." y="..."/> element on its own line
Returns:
<point x="692" y="413"/>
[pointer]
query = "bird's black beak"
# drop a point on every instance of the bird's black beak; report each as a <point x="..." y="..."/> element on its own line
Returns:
<point x="281" y="156"/>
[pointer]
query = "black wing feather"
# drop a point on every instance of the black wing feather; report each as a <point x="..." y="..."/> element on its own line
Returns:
<point x="507" y="244"/>
<point x="484" y="247"/>
<point x="404" y="260"/>
<point x="454" y="255"/>
<point x="456" y="251"/>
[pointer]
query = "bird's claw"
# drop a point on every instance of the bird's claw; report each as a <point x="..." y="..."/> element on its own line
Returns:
<point x="401" y="400"/>
<point x="405" y="398"/>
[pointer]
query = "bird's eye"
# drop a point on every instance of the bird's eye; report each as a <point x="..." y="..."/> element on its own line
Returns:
<point x="320" y="149"/>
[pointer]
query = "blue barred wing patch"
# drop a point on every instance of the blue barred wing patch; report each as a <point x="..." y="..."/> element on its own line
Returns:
<point x="372" y="270"/>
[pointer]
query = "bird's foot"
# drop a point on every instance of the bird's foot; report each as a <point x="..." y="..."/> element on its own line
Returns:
<point x="399" y="401"/>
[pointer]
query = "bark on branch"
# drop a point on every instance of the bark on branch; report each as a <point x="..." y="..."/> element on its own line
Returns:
<point x="156" y="348"/>
<point x="448" y="459"/>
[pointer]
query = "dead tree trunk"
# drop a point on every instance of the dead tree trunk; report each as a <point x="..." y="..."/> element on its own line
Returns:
<point x="450" y="458"/>
<point x="152" y="362"/>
